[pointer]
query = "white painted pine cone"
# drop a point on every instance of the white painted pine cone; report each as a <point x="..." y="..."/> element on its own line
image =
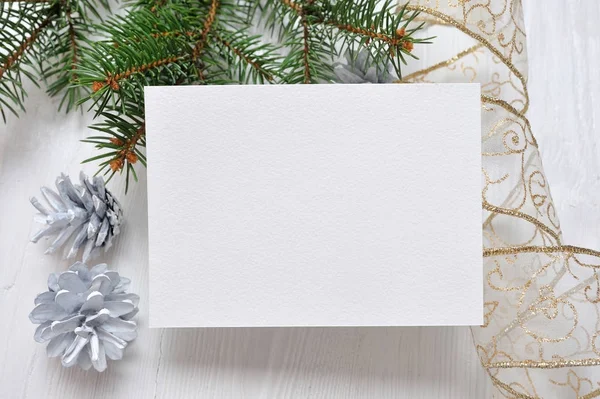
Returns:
<point x="86" y="316"/>
<point x="356" y="70"/>
<point x="86" y="214"/>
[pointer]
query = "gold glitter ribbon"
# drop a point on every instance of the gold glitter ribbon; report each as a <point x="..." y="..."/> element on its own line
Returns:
<point x="541" y="337"/>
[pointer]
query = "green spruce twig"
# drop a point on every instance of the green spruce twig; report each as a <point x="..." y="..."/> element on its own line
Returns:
<point x="185" y="42"/>
<point x="40" y="41"/>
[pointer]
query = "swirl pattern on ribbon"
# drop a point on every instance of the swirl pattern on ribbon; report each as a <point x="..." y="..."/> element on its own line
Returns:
<point x="541" y="331"/>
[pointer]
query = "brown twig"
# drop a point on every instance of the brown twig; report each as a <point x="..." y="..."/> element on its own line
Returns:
<point x="73" y="45"/>
<point x="113" y="80"/>
<point x="14" y="58"/>
<point x="398" y="40"/>
<point x="175" y="33"/>
<point x="306" y="49"/>
<point x="305" y="36"/>
<point x="255" y="64"/>
<point x="73" y="42"/>
<point x="210" y="19"/>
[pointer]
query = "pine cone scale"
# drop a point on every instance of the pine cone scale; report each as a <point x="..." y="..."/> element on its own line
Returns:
<point x="57" y="345"/>
<point x="47" y="311"/>
<point x="71" y="282"/>
<point x="53" y="200"/>
<point x="68" y="300"/>
<point x="45" y="297"/>
<point x="41" y="208"/>
<point x="61" y="239"/>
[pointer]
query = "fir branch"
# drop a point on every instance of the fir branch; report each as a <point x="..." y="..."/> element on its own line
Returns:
<point x="153" y="61"/>
<point x="392" y="41"/>
<point x="298" y="9"/>
<point x="127" y="153"/>
<point x="113" y="80"/>
<point x="174" y="34"/>
<point x="15" y="57"/>
<point x="172" y="42"/>
<point x="123" y="135"/>
<point x="357" y="24"/>
<point x="210" y="19"/>
<point x="311" y="54"/>
<point x="255" y="63"/>
<point x="306" y="49"/>
<point x="66" y="53"/>
<point x="386" y="32"/>
<point x="140" y="49"/>
<point x="23" y="35"/>
<point x="40" y="41"/>
<point x="73" y="42"/>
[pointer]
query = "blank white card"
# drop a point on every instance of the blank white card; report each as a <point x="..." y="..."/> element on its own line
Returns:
<point x="314" y="205"/>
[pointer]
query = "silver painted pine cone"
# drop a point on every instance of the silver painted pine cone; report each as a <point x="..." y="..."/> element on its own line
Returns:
<point x="86" y="214"/>
<point x="357" y="70"/>
<point x="85" y="314"/>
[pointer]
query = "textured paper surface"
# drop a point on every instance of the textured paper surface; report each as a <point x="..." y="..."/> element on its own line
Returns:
<point x="321" y="205"/>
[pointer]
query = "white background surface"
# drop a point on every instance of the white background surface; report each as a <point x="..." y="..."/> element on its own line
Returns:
<point x="564" y="52"/>
<point x="309" y="219"/>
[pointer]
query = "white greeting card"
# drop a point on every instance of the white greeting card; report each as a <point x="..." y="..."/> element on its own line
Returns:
<point x="314" y="205"/>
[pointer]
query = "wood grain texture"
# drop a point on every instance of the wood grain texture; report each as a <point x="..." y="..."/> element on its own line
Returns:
<point x="564" y="49"/>
<point x="565" y="115"/>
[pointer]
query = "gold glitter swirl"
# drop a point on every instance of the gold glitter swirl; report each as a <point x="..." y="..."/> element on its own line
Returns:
<point x="569" y="249"/>
<point x="483" y="41"/>
<point x="530" y="364"/>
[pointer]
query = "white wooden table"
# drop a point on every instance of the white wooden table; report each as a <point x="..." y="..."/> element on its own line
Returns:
<point x="283" y="363"/>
